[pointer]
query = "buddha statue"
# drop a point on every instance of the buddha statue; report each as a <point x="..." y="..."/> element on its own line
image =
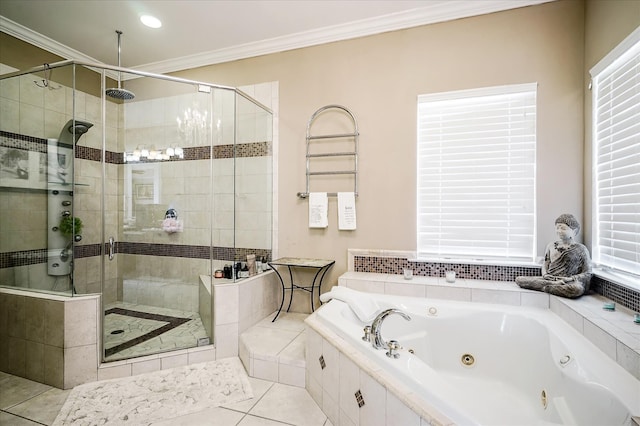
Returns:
<point x="566" y="270"/>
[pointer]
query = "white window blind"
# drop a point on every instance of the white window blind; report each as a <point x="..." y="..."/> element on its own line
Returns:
<point x="616" y="161"/>
<point x="476" y="173"/>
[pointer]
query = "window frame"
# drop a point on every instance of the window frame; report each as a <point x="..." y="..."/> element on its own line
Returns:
<point x="474" y="95"/>
<point x="603" y="69"/>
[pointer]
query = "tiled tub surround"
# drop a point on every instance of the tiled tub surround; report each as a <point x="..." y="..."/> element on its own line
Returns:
<point x="394" y="262"/>
<point x="356" y="384"/>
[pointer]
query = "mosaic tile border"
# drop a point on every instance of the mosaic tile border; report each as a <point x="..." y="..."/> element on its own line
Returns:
<point x="394" y="265"/>
<point x="33" y="257"/>
<point x="619" y="294"/>
<point x="26" y="143"/>
<point x="22" y="258"/>
<point x="241" y="150"/>
<point x="173" y="322"/>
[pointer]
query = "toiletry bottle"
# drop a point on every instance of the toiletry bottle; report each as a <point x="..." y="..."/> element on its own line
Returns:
<point x="244" y="273"/>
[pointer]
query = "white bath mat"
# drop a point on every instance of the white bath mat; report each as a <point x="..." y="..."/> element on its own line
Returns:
<point x="154" y="396"/>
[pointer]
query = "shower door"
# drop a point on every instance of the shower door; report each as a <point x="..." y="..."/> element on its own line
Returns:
<point x="158" y="199"/>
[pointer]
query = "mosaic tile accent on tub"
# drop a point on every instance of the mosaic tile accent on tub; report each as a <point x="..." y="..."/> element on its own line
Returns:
<point x="395" y="265"/>
<point x="619" y="294"/>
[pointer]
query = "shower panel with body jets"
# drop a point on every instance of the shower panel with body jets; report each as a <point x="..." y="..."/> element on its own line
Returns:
<point x="63" y="229"/>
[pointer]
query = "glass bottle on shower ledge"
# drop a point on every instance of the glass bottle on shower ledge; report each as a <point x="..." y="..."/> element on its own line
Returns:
<point x="566" y="270"/>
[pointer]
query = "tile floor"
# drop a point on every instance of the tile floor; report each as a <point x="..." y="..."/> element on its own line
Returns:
<point x="145" y="324"/>
<point x="27" y="403"/>
<point x="24" y="402"/>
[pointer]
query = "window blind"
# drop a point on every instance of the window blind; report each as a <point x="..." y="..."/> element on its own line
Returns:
<point x="476" y="173"/>
<point x="616" y="162"/>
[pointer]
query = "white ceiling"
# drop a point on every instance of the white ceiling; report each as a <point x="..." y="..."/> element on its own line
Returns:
<point x="202" y="32"/>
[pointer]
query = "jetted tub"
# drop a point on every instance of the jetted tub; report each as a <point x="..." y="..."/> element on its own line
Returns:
<point x="490" y="364"/>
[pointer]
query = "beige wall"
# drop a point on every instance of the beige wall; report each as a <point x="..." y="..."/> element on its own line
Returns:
<point x="379" y="78"/>
<point x="607" y="23"/>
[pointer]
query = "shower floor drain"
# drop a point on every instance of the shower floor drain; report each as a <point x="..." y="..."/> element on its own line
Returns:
<point x="117" y="332"/>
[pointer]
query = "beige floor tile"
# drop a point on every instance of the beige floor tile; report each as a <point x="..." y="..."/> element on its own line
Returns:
<point x="250" y="420"/>
<point x="293" y="353"/>
<point x="11" y="420"/>
<point x="259" y="388"/>
<point x="15" y="390"/>
<point x="266" y="341"/>
<point x="289" y="404"/>
<point x="286" y="321"/>
<point x="4" y="376"/>
<point x="211" y="417"/>
<point x="43" y="408"/>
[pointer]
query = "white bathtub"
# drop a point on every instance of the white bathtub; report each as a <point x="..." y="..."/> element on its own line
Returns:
<point x="529" y="366"/>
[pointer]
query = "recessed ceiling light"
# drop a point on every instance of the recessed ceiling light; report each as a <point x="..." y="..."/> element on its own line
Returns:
<point x="150" y="21"/>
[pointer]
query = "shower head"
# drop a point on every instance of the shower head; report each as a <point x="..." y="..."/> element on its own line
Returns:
<point x="73" y="130"/>
<point x="119" y="92"/>
<point x="79" y="128"/>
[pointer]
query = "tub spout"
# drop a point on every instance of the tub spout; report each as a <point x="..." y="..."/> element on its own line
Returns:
<point x="376" y="337"/>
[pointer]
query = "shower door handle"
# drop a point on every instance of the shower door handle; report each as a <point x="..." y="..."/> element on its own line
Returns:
<point x="112" y="242"/>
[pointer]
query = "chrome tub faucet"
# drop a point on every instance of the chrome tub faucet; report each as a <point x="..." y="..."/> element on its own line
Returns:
<point x="376" y="337"/>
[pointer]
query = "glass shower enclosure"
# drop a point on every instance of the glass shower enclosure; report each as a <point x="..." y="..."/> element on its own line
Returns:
<point x="139" y="198"/>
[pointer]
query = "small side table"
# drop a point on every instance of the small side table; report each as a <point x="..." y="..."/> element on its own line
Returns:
<point x="320" y="265"/>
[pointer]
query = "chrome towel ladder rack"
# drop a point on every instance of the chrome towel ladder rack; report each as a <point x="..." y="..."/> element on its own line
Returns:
<point x="353" y="154"/>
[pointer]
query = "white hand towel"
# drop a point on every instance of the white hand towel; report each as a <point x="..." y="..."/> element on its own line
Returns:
<point x="318" y="207"/>
<point x="365" y="308"/>
<point x="346" y="211"/>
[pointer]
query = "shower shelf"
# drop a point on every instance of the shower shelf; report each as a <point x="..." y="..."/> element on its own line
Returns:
<point x="354" y="154"/>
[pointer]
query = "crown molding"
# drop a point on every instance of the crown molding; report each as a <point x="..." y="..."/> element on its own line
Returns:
<point x="25" y="34"/>
<point x="433" y="13"/>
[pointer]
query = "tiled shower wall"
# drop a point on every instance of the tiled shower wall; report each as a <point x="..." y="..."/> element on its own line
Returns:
<point x="49" y="339"/>
<point x="184" y="184"/>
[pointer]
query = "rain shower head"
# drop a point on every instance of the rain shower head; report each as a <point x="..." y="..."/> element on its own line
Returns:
<point x="119" y="92"/>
